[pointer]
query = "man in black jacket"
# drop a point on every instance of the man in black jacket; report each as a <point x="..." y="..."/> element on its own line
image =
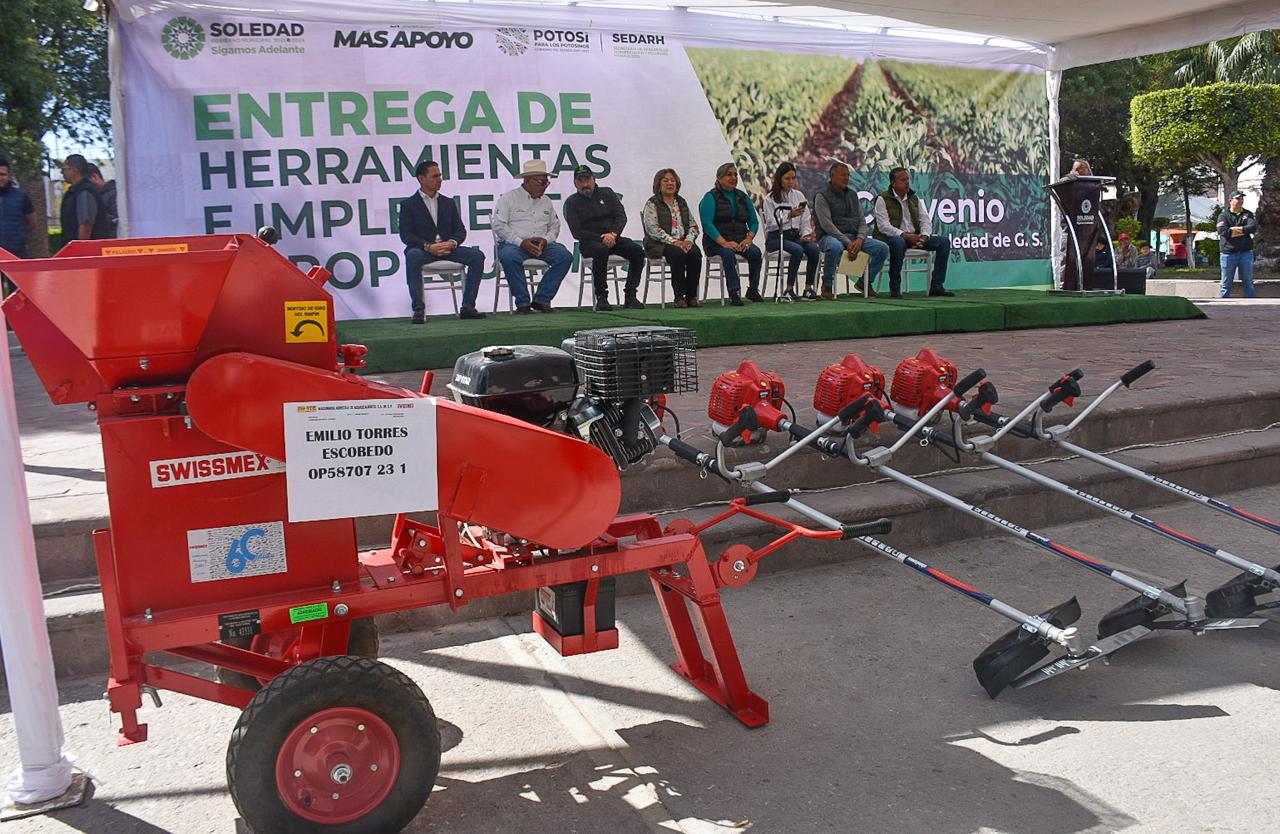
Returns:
<point x="596" y="218"/>
<point x="432" y="230"/>
<point x="1236" y="228"/>
<point x="82" y="215"/>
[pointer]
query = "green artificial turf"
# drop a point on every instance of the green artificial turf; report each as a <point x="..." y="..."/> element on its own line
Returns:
<point x="396" y="345"/>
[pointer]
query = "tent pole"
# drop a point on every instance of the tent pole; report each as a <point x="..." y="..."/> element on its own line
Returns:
<point x="46" y="771"/>
<point x="1053" y="86"/>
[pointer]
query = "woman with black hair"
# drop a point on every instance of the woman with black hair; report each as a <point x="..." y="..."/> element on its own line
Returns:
<point x="789" y="223"/>
<point x="729" y="226"/>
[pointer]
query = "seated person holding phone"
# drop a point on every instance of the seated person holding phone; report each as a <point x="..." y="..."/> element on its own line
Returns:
<point x="785" y="204"/>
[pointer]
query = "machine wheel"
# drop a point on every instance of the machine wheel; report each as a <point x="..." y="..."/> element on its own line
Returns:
<point x="362" y="642"/>
<point x="335" y="744"/>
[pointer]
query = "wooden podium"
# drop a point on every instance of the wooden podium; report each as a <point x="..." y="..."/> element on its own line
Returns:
<point x="1079" y="198"/>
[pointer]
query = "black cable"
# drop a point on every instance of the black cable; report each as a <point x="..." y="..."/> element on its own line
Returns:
<point x="787" y="403"/>
<point x="950" y="454"/>
<point x="675" y="418"/>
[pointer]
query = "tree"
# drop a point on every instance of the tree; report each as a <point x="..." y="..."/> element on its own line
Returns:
<point x="53" y="79"/>
<point x="1222" y="126"/>
<point x="1094" y="124"/>
<point x="1251" y="59"/>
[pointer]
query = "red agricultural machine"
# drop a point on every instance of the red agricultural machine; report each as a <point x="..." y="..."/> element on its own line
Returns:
<point x="188" y="350"/>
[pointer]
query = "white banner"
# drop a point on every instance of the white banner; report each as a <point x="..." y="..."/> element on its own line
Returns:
<point x="315" y="129"/>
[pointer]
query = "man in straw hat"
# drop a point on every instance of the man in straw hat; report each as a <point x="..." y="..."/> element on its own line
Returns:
<point x="525" y="226"/>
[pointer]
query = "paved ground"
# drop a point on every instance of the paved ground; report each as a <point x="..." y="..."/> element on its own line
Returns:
<point x="878" y="724"/>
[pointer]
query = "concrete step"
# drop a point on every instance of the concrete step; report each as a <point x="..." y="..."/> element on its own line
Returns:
<point x="1198" y="288"/>
<point x="662" y="482"/>
<point x="1215" y="465"/>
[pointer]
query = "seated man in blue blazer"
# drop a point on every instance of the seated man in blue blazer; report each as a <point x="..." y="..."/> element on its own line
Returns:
<point x="432" y="230"/>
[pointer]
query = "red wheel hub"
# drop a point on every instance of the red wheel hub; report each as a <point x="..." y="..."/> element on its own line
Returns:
<point x="337" y="765"/>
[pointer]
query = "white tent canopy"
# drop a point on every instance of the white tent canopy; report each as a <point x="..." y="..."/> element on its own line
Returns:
<point x="1050" y="36"/>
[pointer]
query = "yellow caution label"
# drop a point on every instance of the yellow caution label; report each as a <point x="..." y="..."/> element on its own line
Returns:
<point x="306" y="321"/>
<point x="146" y="249"/>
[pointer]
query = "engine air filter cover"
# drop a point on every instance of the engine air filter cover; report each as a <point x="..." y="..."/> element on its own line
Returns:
<point x="619" y="363"/>
<point x="529" y="382"/>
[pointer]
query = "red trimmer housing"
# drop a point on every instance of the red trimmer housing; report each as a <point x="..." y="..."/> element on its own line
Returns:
<point x="921" y="381"/>
<point x="842" y="383"/>
<point x="746" y="387"/>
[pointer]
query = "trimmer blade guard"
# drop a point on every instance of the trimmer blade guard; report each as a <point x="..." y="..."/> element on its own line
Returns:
<point x="1237" y="598"/>
<point x="1014" y="653"/>
<point x="1098" y="651"/>
<point x="1139" y="611"/>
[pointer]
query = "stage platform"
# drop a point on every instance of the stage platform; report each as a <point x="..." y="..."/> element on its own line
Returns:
<point x="396" y="345"/>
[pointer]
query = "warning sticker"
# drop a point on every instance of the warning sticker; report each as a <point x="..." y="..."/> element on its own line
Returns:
<point x="146" y="249"/>
<point x="306" y="321"/>
<point x="236" y="552"/>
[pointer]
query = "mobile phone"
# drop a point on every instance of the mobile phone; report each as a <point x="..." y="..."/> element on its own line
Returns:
<point x="803" y="203"/>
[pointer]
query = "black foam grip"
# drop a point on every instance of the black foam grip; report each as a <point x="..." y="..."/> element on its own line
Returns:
<point x="873" y="413"/>
<point x="1077" y="374"/>
<point x="1138" y="372"/>
<point x="798" y="432"/>
<point x="987" y="395"/>
<point x="870" y="528"/>
<point x="1062" y="389"/>
<point x="684" y="450"/>
<point x="853" y="409"/>
<point x="778" y="496"/>
<point x="968" y="382"/>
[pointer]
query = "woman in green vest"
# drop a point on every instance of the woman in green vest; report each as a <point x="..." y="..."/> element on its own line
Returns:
<point x="670" y="233"/>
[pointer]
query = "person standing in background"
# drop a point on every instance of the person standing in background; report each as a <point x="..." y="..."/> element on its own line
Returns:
<point x="81" y="214"/>
<point x="107" y="194"/>
<point x="17" y="214"/>
<point x="1236" y="228"/>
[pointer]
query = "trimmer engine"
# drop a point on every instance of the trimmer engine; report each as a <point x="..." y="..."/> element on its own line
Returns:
<point x="619" y="369"/>
<point x="921" y="381"/>
<point x="746" y="387"/>
<point x="842" y="383"/>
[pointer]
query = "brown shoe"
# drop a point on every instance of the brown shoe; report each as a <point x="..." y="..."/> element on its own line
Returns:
<point x="542" y="308"/>
<point x="693" y="302"/>
<point x="827" y="295"/>
<point x="681" y="304"/>
<point x="871" y="291"/>
<point x="523" y="311"/>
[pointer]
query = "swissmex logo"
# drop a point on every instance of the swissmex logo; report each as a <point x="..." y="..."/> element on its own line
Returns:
<point x="183" y="38"/>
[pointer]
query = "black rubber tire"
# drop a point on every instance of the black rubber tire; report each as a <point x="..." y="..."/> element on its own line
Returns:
<point x="292" y="697"/>
<point x="363" y="642"/>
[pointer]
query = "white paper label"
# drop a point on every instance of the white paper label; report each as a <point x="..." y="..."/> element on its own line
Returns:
<point x="352" y="458"/>
<point x="236" y="552"/>
<point x="205" y="468"/>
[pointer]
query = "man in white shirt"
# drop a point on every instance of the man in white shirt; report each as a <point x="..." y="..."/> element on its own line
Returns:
<point x="903" y="223"/>
<point x="525" y="225"/>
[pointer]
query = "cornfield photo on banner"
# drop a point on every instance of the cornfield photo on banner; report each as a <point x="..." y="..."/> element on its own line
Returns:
<point x="966" y="134"/>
